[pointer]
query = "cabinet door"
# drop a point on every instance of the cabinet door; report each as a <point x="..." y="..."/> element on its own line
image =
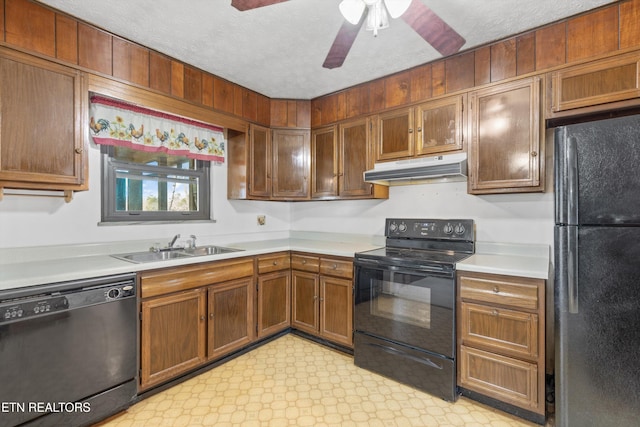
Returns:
<point x="355" y="158"/>
<point x="231" y="323"/>
<point x="440" y="126"/>
<point x="291" y="164"/>
<point x="260" y="162"/>
<point x="324" y="163"/>
<point x="274" y="302"/>
<point x="305" y="299"/>
<point x="42" y="111"/>
<point x="506" y="153"/>
<point x="172" y="336"/>
<point x="395" y="135"/>
<point x="336" y="310"/>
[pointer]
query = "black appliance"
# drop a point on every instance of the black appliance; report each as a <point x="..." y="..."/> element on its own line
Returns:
<point x="68" y="351"/>
<point x="404" y="303"/>
<point x="597" y="273"/>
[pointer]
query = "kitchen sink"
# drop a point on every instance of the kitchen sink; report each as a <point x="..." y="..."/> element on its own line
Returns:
<point x="165" y="255"/>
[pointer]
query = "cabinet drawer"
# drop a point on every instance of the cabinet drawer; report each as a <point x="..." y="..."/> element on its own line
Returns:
<point x="502" y="330"/>
<point x="335" y="267"/>
<point x="305" y="263"/>
<point x="509" y="380"/>
<point x="174" y="279"/>
<point x="517" y="292"/>
<point x="275" y="262"/>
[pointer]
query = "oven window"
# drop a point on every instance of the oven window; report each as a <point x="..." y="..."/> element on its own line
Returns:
<point x="400" y="300"/>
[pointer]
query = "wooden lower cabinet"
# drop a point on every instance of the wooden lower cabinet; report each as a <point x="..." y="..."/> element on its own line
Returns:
<point x="172" y="336"/>
<point x="231" y="320"/>
<point x="274" y="293"/>
<point x="501" y="338"/>
<point x="322" y="297"/>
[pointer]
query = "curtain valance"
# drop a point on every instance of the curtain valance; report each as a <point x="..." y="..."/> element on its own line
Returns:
<point x="114" y="122"/>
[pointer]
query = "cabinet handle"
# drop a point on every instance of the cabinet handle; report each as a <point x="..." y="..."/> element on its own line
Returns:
<point x="496" y="289"/>
<point x="315" y="297"/>
<point x="410" y="130"/>
<point x="201" y="317"/>
<point x="335" y="266"/>
<point x="534" y="153"/>
<point x="419" y="129"/>
<point x="494" y="312"/>
<point x="304" y="261"/>
<point x="78" y="150"/>
<point x="211" y="315"/>
<point x="275" y="262"/>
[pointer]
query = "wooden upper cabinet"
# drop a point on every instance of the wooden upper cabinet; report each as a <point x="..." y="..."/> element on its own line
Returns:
<point x="440" y="125"/>
<point x="291" y="164"/>
<point x="324" y="162"/>
<point x="395" y="135"/>
<point x="356" y="157"/>
<point x="590" y="87"/>
<point x="43" y="114"/>
<point x="506" y="154"/>
<point x="259" y="162"/>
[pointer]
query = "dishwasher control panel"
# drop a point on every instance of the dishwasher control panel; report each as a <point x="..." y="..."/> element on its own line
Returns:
<point x="21" y="309"/>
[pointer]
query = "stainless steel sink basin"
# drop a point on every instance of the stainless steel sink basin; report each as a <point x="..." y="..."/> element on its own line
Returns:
<point x="165" y="255"/>
<point x="209" y="250"/>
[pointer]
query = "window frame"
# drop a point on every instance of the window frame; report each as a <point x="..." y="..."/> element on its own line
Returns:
<point x="109" y="214"/>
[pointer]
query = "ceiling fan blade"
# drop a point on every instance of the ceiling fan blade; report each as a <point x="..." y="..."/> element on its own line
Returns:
<point x="243" y="5"/>
<point x="342" y="44"/>
<point x="433" y="29"/>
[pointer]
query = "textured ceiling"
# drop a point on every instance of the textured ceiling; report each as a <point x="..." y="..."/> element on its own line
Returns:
<point x="278" y="50"/>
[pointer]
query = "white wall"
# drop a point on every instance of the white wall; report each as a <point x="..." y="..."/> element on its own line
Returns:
<point x="36" y="221"/>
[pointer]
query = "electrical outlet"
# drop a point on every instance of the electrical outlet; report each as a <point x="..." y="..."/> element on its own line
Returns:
<point x="262" y="219"/>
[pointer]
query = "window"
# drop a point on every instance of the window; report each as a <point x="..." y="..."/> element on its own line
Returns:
<point x="153" y="186"/>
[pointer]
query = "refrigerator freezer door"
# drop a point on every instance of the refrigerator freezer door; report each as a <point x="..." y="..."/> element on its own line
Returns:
<point x="606" y="157"/>
<point x="597" y="349"/>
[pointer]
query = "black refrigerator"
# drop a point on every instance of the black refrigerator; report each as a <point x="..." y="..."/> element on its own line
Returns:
<point x="597" y="273"/>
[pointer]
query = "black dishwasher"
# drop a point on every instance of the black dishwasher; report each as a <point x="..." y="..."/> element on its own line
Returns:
<point x="68" y="351"/>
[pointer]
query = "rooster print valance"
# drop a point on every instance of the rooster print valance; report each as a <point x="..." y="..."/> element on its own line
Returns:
<point x="114" y="122"/>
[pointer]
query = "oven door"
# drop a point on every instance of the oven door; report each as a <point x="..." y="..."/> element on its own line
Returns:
<point x="414" y="307"/>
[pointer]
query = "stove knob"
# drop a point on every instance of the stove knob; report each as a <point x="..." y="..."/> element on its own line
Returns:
<point x="459" y="229"/>
<point x="448" y="229"/>
<point x="402" y="227"/>
<point x="393" y="226"/>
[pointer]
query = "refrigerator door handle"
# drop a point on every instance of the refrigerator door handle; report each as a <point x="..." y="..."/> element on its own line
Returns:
<point x="566" y="178"/>
<point x="572" y="269"/>
<point x="572" y="181"/>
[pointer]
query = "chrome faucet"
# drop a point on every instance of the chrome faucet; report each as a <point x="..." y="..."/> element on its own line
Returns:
<point x="173" y="241"/>
<point x="192" y="242"/>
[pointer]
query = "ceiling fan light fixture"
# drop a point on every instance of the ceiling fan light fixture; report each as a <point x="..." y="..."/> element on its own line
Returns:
<point x="352" y="10"/>
<point x="377" y="17"/>
<point x="397" y="7"/>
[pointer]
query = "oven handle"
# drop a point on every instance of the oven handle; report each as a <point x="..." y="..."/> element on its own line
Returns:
<point x="391" y="350"/>
<point x="377" y="265"/>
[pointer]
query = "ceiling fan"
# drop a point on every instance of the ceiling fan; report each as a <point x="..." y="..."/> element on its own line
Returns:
<point x="375" y="13"/>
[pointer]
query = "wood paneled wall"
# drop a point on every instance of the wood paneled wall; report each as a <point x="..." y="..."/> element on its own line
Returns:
<point x="600" y="32"/>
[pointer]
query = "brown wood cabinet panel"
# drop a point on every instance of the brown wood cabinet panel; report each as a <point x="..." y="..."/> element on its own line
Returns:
<point x="274" y="302"/>
<point x="305" y="263"/>
<point x="260" y="160"/>
<point x="440" y="125"/>
<point x="279" y="112"/>
<point x="510" y="332"/>
<point x="303" y="114"/>
<point x="324" y="165"/>
<point x="231" y="325"/>
<point x="460" y="72"/>
<point x="336" y="267"/>
<point x="376" y="95"/>
<point x="274" y="262"/>
<point x="30" y="26"/>
<point x="174" y="279"/>
<point x="207" y="89"/>
<point x="516" y="292"/>
<point x="482" y="66"/>
<point x="237" y="165"/>
<point x="177" y="79"/>
<point x="356" y="157"/>
<point x="357" y="101"/>
<point x="506" y="151"/>
<point x="421" y="83"/>
<point x="305" y="314"/>
<point x="38" y="96"/>
<point x="159" y="72"/>
<point x="395" y="135"/>
<point x="526" y="53"/>
<point x="503" y="60"/>
<point x="95" y="49"/>
<point x="222" y="95"/>
<point x="629" y="24"/>
<point x="238" y="94"/>
<point x="291" y="164"/>
<point x="172" y="336"/>
<point x="264" y="110"/>
<point x="2" y="16"/>
<point x="438" y="78"/>
<point x="397" y="89"/>
<point x="551" y="45"/>
<point x="336" y="309"/>
<point x="592" y="34"/>
<point x="509" y="380"/>
<point x="193" y="85"/>
<point x="130" y="62"/>
<point x="66" y="39"/>
<point x="292" y="114"/>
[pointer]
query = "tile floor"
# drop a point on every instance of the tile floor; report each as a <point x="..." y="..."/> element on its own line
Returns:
<point x="292" y="381"/>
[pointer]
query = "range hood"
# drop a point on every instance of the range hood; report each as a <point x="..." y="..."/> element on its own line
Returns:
<point x="450" y="167"/>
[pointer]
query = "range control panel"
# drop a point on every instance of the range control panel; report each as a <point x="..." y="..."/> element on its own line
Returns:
<point x="31" y="308"/>
<point x="444" y="229"/>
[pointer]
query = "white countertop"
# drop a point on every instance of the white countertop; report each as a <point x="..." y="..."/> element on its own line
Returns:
<point x="37" y="266"/>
